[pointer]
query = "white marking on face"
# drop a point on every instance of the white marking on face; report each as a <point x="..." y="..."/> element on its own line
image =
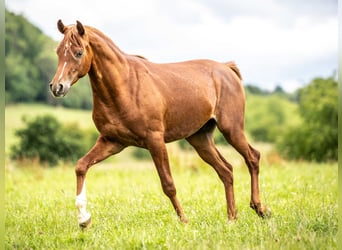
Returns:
<point x="66" y="49"/>
<point x="61" y="75"/>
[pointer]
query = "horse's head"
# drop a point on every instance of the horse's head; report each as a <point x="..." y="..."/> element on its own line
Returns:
<point x="74" y="58"/>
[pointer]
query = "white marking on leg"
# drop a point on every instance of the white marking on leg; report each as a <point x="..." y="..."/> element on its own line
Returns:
<point x="81" y="204"/>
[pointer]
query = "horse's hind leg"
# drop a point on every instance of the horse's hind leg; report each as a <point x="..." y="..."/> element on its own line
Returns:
<point x="203" y="142"/>
<point x="237" y="138"/>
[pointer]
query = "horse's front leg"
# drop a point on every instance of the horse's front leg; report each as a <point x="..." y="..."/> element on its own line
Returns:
<point x="101" y="150"/>
<point x="158" y="151"/>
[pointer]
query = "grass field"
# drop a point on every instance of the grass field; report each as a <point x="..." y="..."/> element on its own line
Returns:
<point x="130" y="211"/>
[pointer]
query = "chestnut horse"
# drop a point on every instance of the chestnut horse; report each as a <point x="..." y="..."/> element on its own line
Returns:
<point x="140" y="103"/>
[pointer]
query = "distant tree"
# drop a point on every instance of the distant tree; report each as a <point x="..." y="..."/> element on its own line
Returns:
<point x="252" y="89"/>
<point x="316" y="138"/>
<point x="278" y="89"/>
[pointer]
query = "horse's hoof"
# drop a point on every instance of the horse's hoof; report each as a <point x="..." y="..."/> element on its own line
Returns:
<point x="232" y="221"/>
<point x="267" y="212"/>
<point x="183" y="219"/>
<point x="263" y="211"/>
<point x="86" y="224"/>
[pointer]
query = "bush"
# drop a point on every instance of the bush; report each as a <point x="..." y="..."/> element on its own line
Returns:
<point x="46" y="139"/>
<point x="316" y="138"/>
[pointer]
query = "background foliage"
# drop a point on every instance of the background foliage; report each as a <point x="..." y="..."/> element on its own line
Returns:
<point x="316" y="137"/>
<point x="28" y="61"/>
<point x="269" y="116"/>
<point x="45" y="139"/>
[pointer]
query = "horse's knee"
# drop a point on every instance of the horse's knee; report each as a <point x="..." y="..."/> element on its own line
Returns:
<point x="81" y="167"/>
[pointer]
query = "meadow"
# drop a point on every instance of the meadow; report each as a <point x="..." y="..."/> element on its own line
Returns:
<point x="130" y="211"/>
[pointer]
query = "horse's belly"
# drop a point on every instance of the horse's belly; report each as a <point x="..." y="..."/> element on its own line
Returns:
<point x="179" y="133"/>
<point x="188" y="113"/>
<point x="186" y="121"/>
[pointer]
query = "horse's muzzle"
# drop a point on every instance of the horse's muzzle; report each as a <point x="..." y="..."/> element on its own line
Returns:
<point x="59" y="89"/>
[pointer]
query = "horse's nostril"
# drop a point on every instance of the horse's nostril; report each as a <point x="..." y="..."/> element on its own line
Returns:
<point x="60" y="87"/>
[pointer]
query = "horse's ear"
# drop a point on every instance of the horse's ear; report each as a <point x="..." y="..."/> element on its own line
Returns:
<point x="61" y="26"/>
<point x="80" y="28"/>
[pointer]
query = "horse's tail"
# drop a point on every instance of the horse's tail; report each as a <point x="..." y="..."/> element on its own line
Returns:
<point x="235" y="68"/>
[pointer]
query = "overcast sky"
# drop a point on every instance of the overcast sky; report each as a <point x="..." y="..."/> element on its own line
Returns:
<point x="274" y="42"/>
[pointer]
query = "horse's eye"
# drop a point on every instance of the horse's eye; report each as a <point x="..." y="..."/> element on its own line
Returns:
<point x="79" y="54"/>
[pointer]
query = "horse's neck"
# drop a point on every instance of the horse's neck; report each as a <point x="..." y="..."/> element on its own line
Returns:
<point x="108" y="71"/>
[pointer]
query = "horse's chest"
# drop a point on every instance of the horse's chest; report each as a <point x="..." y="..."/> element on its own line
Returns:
<point x="120" y="130"/>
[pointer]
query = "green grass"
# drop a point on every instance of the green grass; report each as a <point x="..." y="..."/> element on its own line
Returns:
<point x="129" y="210"/>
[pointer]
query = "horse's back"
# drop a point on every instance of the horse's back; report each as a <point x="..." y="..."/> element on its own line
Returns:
<point x="190" y="92"/>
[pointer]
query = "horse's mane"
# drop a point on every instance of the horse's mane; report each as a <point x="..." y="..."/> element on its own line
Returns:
<point x="95" y="32"/>
<point x="73" y="38"/>
<point x="108" y="41"/>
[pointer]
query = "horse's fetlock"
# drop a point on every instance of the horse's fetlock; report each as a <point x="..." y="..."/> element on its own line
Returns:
<point x="80" y="202"/>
